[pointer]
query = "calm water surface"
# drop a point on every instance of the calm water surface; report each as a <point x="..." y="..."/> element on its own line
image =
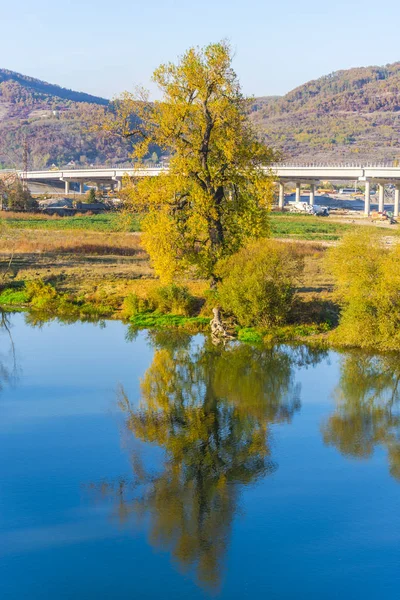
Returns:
<point x="158" y="466"/>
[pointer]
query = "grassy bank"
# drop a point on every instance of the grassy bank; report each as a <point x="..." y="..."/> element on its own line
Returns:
<point x="283" y="225"/>
<point x="108" y="222"/>
<point x="92" y="272"/>
<point x="306" y="227"/>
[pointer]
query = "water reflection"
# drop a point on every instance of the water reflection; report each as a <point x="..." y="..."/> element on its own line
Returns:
<point x="367" y="412"/>
<point x="8" y="357"/>
<point x="210" y="410"/>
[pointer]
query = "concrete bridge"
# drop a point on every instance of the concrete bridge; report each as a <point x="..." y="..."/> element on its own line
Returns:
<point x="297" y="174"/>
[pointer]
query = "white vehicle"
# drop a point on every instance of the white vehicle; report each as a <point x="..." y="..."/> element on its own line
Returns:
<point x="304" y="207"/>
<point x="348" y="191"/>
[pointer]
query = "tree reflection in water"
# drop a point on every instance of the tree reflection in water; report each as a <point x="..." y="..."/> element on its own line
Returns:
<point x="210" y="409"/>
<point x="8" y="359"/>
<point x="367" y="412"/>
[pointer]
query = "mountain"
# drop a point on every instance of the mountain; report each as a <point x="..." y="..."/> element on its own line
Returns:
<point x="53" y="123"/>
<point x="29" y="88"/>
<point x="351" y="115"/>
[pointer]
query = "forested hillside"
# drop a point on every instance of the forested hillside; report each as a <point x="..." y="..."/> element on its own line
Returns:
<point x="54" y="124"/>
<point x="351" y="115"/>
<point x="347" y="115"/>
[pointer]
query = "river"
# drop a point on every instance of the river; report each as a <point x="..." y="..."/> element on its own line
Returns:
<point x="156" y="465"/>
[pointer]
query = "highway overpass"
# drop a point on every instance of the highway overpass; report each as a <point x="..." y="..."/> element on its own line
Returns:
<point x="298" y="174"/>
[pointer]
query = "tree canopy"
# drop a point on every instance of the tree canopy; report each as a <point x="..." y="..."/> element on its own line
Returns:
<point x="216" y="193"/>
<point x="367" y="285"/>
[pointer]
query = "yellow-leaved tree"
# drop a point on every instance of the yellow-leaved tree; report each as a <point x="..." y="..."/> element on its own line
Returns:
<point x="217" y="191"/>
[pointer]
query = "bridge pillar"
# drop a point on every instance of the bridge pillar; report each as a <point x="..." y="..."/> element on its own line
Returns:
<point x="381" y="197"/>
<point x="367" y="206"/>
<point x="312" y="194"/>
<point x="396" y="200"/>
<point x="281" y="195"/>
<point x="66" y="187"/>
<point x="119" y="185"/>
<point x="298" y="191"/>
<point x="81" y="187"/>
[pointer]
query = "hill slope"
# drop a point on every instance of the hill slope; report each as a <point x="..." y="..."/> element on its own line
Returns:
<point x="347" y="115"/>
<point x="54" y="122"/>
<point x="32" y="89"/>
<point x="351" y="115"/>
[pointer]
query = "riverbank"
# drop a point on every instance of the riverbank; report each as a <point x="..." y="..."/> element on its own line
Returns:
<point x="90" y="273"/>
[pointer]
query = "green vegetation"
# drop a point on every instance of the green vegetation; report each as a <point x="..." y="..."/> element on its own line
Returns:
<point x="368" y="287"/>
<point x="170" y="299"/>
<point x="14" y="297"/>
<point x="91" y="196"/>
<point x="162" y="321"/>
<point x="306" y="227"/>
<point x="164" y="307"/>
<point x="284" y="225"/>
<point x="258" y="283"/>
<point x="108" y="222"/>
<point x="88" y="269"/>
<point x="43" y="298"/>
<point x="216" y="194"/>
<point x="14" y="196"/>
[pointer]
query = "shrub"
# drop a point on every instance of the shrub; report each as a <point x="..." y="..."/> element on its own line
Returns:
<point x="258" y="283"/>
<point x="11" y="296"/>
<point x="367" y="284"/>
<point x="174" y="299"/>
<point x="41" y="295"/>
<point x="134" y="305"/>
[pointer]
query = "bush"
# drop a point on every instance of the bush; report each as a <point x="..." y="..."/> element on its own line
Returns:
<point x="258" y="283"/>
<point x="170" y="299"/>
<point x="174" y="299"/>
<point x="367" y="279"/>
<point x="19" y="198"/>
<point x="41" y="295"/>
<point x="134" y="305"/>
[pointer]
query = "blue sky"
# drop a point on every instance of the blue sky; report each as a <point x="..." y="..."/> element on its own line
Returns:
<point x="103" y="47"/>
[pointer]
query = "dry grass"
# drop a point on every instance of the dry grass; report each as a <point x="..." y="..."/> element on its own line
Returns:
<point x="92" y="264"/>
<point x="23" y="241"/>
<point x="28" y="216"/>
<point x="109" y="266"/>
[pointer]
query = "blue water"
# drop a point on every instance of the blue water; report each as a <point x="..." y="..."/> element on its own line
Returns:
<point x="149" y="466"/>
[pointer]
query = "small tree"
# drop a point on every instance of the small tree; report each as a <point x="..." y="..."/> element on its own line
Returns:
<point x="216" y="195"/>
<point x="18" y="197"/>
<point x="91" y="196"/>
<point x="368" y="288"/>
<point x="258" y="283"/>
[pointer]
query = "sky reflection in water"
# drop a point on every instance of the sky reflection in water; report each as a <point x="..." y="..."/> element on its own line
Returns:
<point x="157" y="465"/>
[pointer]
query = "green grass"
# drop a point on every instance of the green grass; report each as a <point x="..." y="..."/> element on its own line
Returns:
<point x="109" y="222"/>
<point x="145" y="320"/>
<point x="13" y="297"/>
<point x="250" y="335"/>
<point x="294" y="226"/>
<point x="283" y="225"/>
<point x="306" y="227"/>
<point x="282" y="334"/>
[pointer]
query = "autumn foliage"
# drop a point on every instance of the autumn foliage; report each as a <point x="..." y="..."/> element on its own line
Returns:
<point x="216" y="194"/>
